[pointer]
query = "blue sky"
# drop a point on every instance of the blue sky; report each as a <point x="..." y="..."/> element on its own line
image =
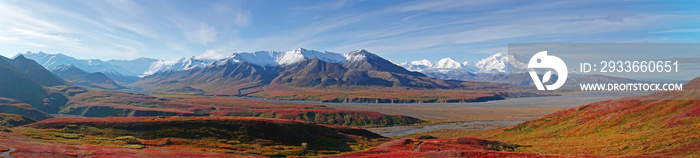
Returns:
<point x="397" y="30"/>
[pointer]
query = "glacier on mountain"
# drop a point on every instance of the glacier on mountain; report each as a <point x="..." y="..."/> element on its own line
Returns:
<point x="495" y="63"/>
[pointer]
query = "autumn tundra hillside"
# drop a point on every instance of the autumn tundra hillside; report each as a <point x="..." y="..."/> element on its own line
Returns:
<point x="665" y="124"/>
<point x="124" y="104"/>
<point x="172" y="136"/>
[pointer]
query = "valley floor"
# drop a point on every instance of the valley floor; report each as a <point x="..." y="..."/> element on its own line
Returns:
<point x="465" y="119"/>
<point x="510" y="109"/>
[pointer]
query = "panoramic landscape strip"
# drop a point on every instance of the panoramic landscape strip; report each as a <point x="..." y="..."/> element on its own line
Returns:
<point x="349" y="78"/>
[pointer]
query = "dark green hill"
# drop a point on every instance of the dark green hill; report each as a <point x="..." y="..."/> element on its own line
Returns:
<point x="224" y="79"/>
<point x="242" y="129"/>
<point x="17" y="85"/>
<point x="36" y="72"/>
<point x="12" y="106"/>
<point x="76" y="76"/>
<point x="12" y="120"/>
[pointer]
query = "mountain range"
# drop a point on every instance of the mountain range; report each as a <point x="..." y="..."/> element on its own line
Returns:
<point x="496" y="63"/>
<point x="489" y="69"/>
<point x="129" y="71"/>
<point x="30" y="90"/>
<point x="493" y="69"/>
<point x="124" y="71"/>
<point x="296" y="68"/>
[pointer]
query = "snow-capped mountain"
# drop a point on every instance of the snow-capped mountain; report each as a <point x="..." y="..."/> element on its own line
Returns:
<point x="178" y="65"/>
<point x="296" y="68"/>
<point x="267" y="59"/>
<point x="128" y="71"/>
<point x="496" y="63"/>
<point x="299" y="67"/>
<point x="418" y="65"/>
<point x="275" y="58"/>
<point x="448" y="63"/>
<point x="358" y="55"/>
<point x="259" y="58"/>
<point x="131" y="70"/>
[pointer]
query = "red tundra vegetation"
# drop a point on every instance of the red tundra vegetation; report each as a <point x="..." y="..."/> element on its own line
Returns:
<point x="28" y="147"/>
<point x="123" y="104"/>
<point x="11" y="106"/>
<point x="660" y="124"/>
<point x="454" y="147"/>
<point x="241" y="136"/>
<point x="376" y="95"/>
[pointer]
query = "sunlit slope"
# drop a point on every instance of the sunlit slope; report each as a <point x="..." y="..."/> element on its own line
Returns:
<point x="666" y="123"/>
<point x="248" y="130"/>
<point x="123" y="104"/>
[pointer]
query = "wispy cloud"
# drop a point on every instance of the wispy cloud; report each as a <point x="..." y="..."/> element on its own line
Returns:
<point x="243" y="18"/>
<point x="125" y="14"/>
<point x="44" y="36"/>
<point x="333" y="4"/>
<point x="435" y="5"/>
<point x="679" y="30"/>
<point x="404" y="30"/>
<point x="12" y="15"/>
<point x="481" y="27"/>
<point x="198" y="32"/>
<point x="210" y="54"/>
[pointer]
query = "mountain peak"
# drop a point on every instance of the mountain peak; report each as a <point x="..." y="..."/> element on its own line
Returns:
<point x="37" y="72"/>
<point x="448" y="63"/>
<point x="32" y="53"/>
<point x="494" y="63"/>
<point x="359" y="55"/>
<point x="424" y="62"/>
<point x="186" y="63"/>
<point x="20" y="57"/>
<point x="302" y="54"/>
<point x="361" y="52"/>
